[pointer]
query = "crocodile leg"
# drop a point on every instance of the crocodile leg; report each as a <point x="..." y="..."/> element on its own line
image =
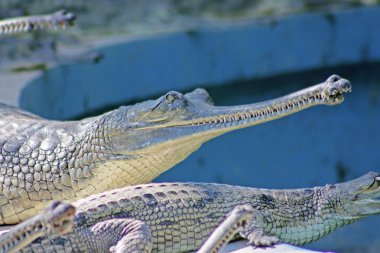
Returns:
<point x="255" y="234"/>
<point x="258" y="238"/>
<point x="119" y="235"/>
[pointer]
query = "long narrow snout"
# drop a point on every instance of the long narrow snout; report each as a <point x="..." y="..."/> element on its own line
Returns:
<point x="329" y="92"/>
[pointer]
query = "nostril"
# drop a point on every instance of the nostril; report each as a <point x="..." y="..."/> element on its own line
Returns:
<point x="347" y="85"/>
<point x="335" y="78"/>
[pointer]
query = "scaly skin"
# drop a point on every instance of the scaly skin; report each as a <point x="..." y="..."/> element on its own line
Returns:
<point x="41" y="159"/>
<point x="59" y="19"/>
<point x="179" y="217"/>
<point x="57" y="219"/>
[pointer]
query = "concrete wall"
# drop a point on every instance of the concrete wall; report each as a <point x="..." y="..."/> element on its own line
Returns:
<point x="241" y="63"/>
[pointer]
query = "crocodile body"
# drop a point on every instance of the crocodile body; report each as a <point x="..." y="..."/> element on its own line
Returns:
<point x="179" y="217"/>
<point x="42" y="160"/>
<point x="57" y="219"/>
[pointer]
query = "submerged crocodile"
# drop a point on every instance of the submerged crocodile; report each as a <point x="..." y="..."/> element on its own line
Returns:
<point x="179" y="217"/>
<point x="56" y="219"/>
<point x="42" y="159"/>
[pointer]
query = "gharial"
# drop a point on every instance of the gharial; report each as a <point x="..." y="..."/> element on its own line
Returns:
<point x="42" y="159"/>
<point x="179" y="217"/>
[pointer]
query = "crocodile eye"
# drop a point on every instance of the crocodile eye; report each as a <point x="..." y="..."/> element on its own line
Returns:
<point x="171" y="97"/>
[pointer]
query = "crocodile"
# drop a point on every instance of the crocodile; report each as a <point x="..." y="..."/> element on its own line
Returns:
<point x="59" y="19"/>
<point x="56" y="219"/>
<point x="179" y="217"/>
<point x="42" y="160"/>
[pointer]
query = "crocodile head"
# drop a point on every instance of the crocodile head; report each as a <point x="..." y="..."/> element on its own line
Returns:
<point x="360" y="197"/>
<point x="180" y="123"/>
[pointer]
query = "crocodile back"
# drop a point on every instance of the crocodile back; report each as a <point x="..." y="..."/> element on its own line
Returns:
<point x="16" y="126"/>
<point x="33" y="158"/>
<point x="23" y="132"/>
